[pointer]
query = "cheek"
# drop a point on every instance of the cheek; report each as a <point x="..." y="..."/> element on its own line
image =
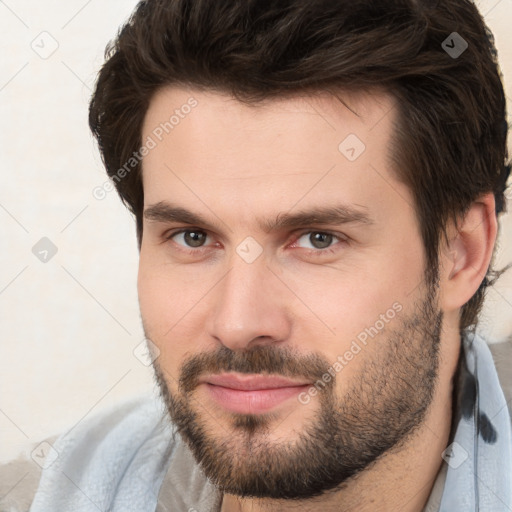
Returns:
<point x="354" y="298"/>
<point x="152" y="296"/>
<point x="157" y="301"/>
<point x="172" y="309"/>
<point x="358" y="309"/>
<point x="157" y="294"/>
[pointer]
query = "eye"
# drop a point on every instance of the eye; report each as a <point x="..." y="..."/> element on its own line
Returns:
<point x="319" y="241"/>
<point x="192" y="238"/>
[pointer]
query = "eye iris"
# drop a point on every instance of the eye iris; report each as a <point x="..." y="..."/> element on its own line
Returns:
<point x="320" y="240"/>
<point x="194" y="238"/>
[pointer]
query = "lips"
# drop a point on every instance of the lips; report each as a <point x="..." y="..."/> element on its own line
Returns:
<point x="251" y="382"/>
<point x="251" y="394"/>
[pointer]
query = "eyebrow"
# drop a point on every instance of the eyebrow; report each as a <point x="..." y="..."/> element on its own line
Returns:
<point x="333" y="215"/>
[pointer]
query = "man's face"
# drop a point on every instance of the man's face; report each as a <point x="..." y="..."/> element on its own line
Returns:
<point x="292" y="354"/>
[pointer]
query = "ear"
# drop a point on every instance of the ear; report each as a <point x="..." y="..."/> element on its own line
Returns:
<point x="465" y="259"/>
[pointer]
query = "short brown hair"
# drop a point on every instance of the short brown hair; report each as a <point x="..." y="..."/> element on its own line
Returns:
<point x="450" y="141"/>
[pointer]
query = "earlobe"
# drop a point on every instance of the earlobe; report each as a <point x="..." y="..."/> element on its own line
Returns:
<point x="466" y="258"/>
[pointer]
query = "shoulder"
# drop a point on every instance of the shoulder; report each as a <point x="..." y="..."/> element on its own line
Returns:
<point x="108" y="432"/>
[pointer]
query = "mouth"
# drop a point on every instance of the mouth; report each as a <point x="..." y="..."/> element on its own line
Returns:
<point x="251" y="394"/>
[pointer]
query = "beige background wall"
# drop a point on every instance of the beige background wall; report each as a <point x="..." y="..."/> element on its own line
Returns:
<point x="69" y="327"/>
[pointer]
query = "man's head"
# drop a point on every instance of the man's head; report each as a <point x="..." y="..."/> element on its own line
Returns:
<point x="292" y="167"/>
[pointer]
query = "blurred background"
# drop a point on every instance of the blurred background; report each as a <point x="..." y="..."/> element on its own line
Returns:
<point x="71" y="340"/>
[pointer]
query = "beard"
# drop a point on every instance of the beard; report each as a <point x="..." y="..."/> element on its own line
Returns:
<point x="379" y="410"/>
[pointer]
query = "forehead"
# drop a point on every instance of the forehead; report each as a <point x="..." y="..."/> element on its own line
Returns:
<point x="209" y="148"/>
<point x="172" y="106"/>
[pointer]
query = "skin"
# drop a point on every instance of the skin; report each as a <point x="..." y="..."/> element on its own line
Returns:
<point x="234" y="165"/>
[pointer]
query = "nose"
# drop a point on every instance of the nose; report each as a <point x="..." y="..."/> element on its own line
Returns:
<point x="250" y="306"/>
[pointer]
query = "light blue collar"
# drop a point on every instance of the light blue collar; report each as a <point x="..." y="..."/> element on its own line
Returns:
<point x="479" y="475"/>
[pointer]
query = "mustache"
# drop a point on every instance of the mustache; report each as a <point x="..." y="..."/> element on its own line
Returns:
<point x="262" y="359"/>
